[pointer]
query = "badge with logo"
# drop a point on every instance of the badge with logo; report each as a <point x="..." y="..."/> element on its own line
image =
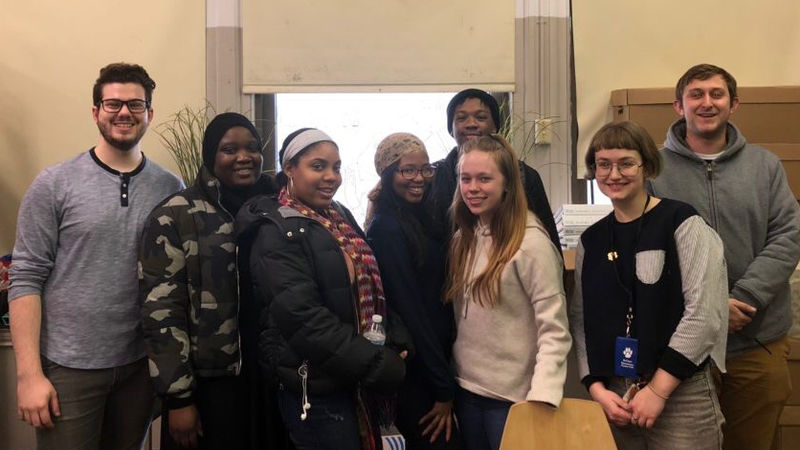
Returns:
<point x="625" y="355"/>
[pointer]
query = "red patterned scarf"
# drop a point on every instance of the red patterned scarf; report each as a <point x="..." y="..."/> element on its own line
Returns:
<point x="368" y="278"/>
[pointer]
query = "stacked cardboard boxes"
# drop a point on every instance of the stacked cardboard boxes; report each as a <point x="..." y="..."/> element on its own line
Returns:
<point x="788" y="435"/>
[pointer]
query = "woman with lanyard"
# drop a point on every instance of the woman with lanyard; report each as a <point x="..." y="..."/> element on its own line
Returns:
<point x="412" y="262"/>
<point x="649" y="315"/>
<point x="318" y="285"/>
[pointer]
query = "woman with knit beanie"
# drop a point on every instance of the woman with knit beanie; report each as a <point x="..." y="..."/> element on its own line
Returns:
<point x="412" y="262"/>
<point x="318" y="286"/>
<point x="189" y="288"/>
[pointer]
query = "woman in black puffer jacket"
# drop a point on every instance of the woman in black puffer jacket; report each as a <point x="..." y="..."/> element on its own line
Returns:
<point x="318" y="284"/>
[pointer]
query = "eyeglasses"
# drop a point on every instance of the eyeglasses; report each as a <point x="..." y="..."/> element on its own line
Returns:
<point x="625" y="168"/>
<point x="135" y="106"/>
<point x="409" y="173"/>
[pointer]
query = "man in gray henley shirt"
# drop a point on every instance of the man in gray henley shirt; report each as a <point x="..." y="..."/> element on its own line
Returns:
<point x="82" y="376"/>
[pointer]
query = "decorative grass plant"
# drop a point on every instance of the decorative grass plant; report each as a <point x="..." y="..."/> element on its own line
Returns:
<point x="182" y="135"/>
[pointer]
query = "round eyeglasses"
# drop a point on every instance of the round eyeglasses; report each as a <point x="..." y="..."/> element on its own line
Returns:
<point x="135" y="106"/>
<point x="625" y="168"/>
<point x="409" y="173"/>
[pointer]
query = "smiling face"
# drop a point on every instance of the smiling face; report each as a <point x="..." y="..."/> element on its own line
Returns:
<point x="315" y="177"/>
<point x="238" y="160"/>
<point x="707" y="106"/>
<point x="615" y="185"/>
<point x="411" y="190"/>
<point x="481" y="184"/>
<point x="122" y="129"/>
<point x="472" y="119"/>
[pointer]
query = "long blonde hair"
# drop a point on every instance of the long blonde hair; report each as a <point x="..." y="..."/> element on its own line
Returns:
<point x="507" y="227"/>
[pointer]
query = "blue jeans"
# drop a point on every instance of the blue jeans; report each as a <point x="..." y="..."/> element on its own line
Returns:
<point x="331" y="422"/>
<point x="481" y="420"/>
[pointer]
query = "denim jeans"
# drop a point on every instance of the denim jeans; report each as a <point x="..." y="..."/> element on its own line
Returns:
<point x="331" y="423"/>
<point x="481" y="420"/>
<point x="100" y="408"/>
<point x="691" y="418"/>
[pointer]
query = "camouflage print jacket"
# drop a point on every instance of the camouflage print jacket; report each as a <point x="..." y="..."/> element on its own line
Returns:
<point x="188" y="286"/>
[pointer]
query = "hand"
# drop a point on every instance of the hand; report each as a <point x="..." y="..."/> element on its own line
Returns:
<point x="440" y="418"/>
<point x="617" y="411"/>
<point x="404" y="354"/>
<point x="185" y="426"/>
<point x="37" y="401"/>
<point x="740" y="314"/>
<point x="646" y="406"/>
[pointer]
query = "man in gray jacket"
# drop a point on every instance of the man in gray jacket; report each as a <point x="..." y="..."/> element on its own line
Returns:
<point x="741" y="190"/>
<point x="82" y="375"/>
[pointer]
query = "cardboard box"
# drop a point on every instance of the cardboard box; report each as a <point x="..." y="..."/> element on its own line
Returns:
<point x="789" y="154"/>
<point x="788" y="435"/>
<point x="794" y="375"/>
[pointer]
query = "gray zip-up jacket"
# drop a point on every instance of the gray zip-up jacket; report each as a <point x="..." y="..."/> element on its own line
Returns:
<point x="745" y="197"/>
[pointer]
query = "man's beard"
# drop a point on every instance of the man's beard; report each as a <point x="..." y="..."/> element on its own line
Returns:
<point x="119" y="144"/>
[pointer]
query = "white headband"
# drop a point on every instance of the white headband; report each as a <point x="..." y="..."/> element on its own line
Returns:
<point x="301" y="141"/>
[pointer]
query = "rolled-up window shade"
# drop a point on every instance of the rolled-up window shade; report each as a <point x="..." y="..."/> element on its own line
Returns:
<point x="377" y="45"/>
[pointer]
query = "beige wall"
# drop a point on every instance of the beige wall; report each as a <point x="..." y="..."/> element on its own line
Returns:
<point x="638" y="44"/>
<point x="50" y="55"/>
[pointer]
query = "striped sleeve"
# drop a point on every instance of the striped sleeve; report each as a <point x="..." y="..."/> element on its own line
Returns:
<point x="576" y="316"/>
<point x="702" y="331"/>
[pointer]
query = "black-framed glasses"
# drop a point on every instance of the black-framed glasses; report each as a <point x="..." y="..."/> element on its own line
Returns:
<point x="625" y="168"/>
<point x="409" y="173"/>
<point x="135" y="106"/>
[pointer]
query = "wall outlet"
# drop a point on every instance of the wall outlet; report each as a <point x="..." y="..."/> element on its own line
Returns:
<point x="544" y="131"/>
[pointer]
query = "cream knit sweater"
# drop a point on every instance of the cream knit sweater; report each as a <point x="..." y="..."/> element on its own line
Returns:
<point x="516" y="350"/>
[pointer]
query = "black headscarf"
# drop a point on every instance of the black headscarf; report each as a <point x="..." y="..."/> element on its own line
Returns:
<point x="217" y="128"/>
<point x="232" y="198"/>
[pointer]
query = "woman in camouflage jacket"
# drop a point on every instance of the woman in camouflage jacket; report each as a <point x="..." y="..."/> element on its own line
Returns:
<point x="189" y="288"/>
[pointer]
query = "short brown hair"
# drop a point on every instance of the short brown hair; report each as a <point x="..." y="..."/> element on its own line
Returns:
<point x="123" y="73"/>
<point x="704" y="72"/>
<point x="625" y="135"/>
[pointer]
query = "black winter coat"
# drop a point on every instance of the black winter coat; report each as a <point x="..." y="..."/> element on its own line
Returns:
<point x="415" y="292"/>
<point x="308" y="306"/>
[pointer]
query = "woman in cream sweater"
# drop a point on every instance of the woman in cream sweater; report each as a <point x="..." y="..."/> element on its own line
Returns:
<point x="505" y="280"/>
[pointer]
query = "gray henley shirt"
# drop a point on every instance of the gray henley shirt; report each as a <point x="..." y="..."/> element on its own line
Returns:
<point x="78" y="232"/>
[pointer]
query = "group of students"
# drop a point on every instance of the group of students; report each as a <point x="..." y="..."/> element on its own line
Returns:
<point x="256" y="292"/>
<point x="470" y="287"/>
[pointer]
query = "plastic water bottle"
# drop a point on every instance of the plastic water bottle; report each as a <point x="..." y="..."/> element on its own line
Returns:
<point x="375" y="332"/>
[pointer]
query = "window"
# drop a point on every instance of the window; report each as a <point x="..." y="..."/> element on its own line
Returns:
<point x="358" y="122"/>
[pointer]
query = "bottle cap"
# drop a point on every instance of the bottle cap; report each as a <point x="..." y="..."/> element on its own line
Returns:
<point x="377" y="318"/>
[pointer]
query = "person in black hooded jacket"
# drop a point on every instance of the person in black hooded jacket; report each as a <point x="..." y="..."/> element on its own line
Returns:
<point x="470" y="114"/>
<point x="318" y="285"/>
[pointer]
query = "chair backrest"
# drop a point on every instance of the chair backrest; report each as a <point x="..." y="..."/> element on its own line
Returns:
<point x="576" y="424"/>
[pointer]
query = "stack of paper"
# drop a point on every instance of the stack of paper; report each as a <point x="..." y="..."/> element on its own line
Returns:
<point x="572" y="220"/>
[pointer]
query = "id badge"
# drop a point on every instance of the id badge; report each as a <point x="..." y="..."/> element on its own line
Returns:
<point x="626" y="353"/>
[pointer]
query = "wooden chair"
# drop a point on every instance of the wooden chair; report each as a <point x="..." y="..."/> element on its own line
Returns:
<point x="576" y="424"/>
